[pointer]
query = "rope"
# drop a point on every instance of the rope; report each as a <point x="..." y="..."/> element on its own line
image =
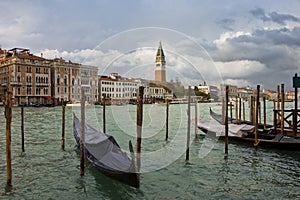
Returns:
<point x="256" y="144"/>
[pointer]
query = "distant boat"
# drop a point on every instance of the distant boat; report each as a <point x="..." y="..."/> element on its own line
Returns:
<point x="105" y="154"/>
<point x="77" y="104"/>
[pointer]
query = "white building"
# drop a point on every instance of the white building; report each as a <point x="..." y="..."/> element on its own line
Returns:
<point x="209" y="89"/>
<point x="117" y="88"/>
<point x="121" y="89"/>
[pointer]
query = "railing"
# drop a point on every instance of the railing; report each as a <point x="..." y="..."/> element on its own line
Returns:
<point x="293" y="123"/>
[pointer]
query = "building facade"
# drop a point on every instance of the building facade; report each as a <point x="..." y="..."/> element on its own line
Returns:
<point x="69" y="78"/>
<point x="117" y="88"/>
<point x="26" y="75"/>
<point x="122" y="90"/>
<point x="36" y="80"/>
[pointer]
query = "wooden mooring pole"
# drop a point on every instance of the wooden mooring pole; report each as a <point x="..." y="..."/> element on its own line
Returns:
<point x="256" y="116"/>
<point x="244" y="114"/>
<point x="8" y="117"/>
<point x="63" y="125"/>
<point x="230" y="110"/>
<point x="196" y="119"/>
<point x="295" y="120"/>
<point x="240" y="110"/>
<point x="252" y="110"/>
<point x="265" y="113"/>
<point x="167" y="119"/>
<point x="82" y="132"/>
<point x="104" y="113"/>
<point x="282" y="109"/>
<point x="187" y="152"/>
<point x="278" y="103"/>
<point x="226" y="121"/>
<point x="236" y="111"/>
<point x="139" y="123"/>
<point x="22" y="129"/>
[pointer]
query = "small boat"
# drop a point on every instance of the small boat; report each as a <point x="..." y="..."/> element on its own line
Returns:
<point x="76" y="104"/>
<point x="241" y="134"/>
<point x="104" y="153"/>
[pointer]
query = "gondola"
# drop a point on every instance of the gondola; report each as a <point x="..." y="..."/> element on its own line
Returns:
<point x="218" y="118"/>
<point x="104" y="153"/>
<point x="240" y="135"/>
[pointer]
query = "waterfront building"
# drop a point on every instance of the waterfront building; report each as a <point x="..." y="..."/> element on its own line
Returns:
<point x="89" y="82"/>
<point x="26" y="75"/>
<point x="122" y="90"/>
<point x="154" y="92"/>
<point x="232" y="94"/>
<point x="69" y="78"/>
<point x="36" y="80"/>
<point x="245" y="93"/>
<point x="65" y="80"/>
<point x="117" y="88"/>
<point x="160" y="65"/>
<point x="210" y="89"/>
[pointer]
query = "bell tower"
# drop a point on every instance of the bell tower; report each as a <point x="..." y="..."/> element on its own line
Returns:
<point x="160" y="67"/>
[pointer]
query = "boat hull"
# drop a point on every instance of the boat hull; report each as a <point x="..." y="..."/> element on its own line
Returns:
<point x="130" y="178"/>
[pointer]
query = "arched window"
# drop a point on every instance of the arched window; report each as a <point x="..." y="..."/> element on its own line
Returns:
<point x="65" y="80"/>
<point x="58" y="80"/>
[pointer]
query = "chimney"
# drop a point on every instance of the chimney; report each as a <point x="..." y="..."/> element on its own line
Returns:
<point x="41" y="54"/>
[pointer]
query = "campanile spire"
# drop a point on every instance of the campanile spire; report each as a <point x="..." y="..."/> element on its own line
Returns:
<point x="160" y="67"/>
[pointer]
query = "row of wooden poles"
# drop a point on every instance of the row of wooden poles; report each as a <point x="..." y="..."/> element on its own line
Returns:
<point x="8" y="116"/>
<point x="254" y="115"/>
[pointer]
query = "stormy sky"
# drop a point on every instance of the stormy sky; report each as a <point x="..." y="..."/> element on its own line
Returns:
<point x="244" y="43"/>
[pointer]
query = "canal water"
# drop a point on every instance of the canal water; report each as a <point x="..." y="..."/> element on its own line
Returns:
<point x="44" y="171"/>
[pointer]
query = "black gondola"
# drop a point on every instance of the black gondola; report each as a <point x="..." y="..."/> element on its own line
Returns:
<point x="105" y="154"/>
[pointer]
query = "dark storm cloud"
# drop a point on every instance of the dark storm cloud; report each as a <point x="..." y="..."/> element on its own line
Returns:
<point x="273" y="16"/>
<point x="283" y="36"/>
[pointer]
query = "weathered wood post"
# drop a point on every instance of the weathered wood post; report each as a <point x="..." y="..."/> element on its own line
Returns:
<point x="275" y="117"/>
<point x="256" y="116"/>
<point x="278" y="104"/>
<point x="82" y="132"/>
<point x="282" y="109"/>
<point x="226" y="121"/>
<point x="167" y="119"/>
<point x="259" y="112"/>
<point x="240" y="110"/>
<point x="223" y="110"/>
<point x="187" y="153"/>
<point x="244" y="114"/>
<point x="230" y="111"/>
<point x="196" y="119"/>
<point x="252" y="110"/>
<point x="265" y="112"/>
<point x="104" y="113"/>
<point x="22" y="129"/>
<point x="236" y="111"/>
<point x="139" y="123"/>
<point x="296" y="84"/>
<point x="63" y="125"/>
<point x="8" y="117"/>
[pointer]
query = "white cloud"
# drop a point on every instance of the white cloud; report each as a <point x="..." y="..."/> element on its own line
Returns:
<point x="224" y="37"/>
<point x="239" y="68"/>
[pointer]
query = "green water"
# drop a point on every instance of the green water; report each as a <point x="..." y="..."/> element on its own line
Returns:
<point x="47" y="172"/>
